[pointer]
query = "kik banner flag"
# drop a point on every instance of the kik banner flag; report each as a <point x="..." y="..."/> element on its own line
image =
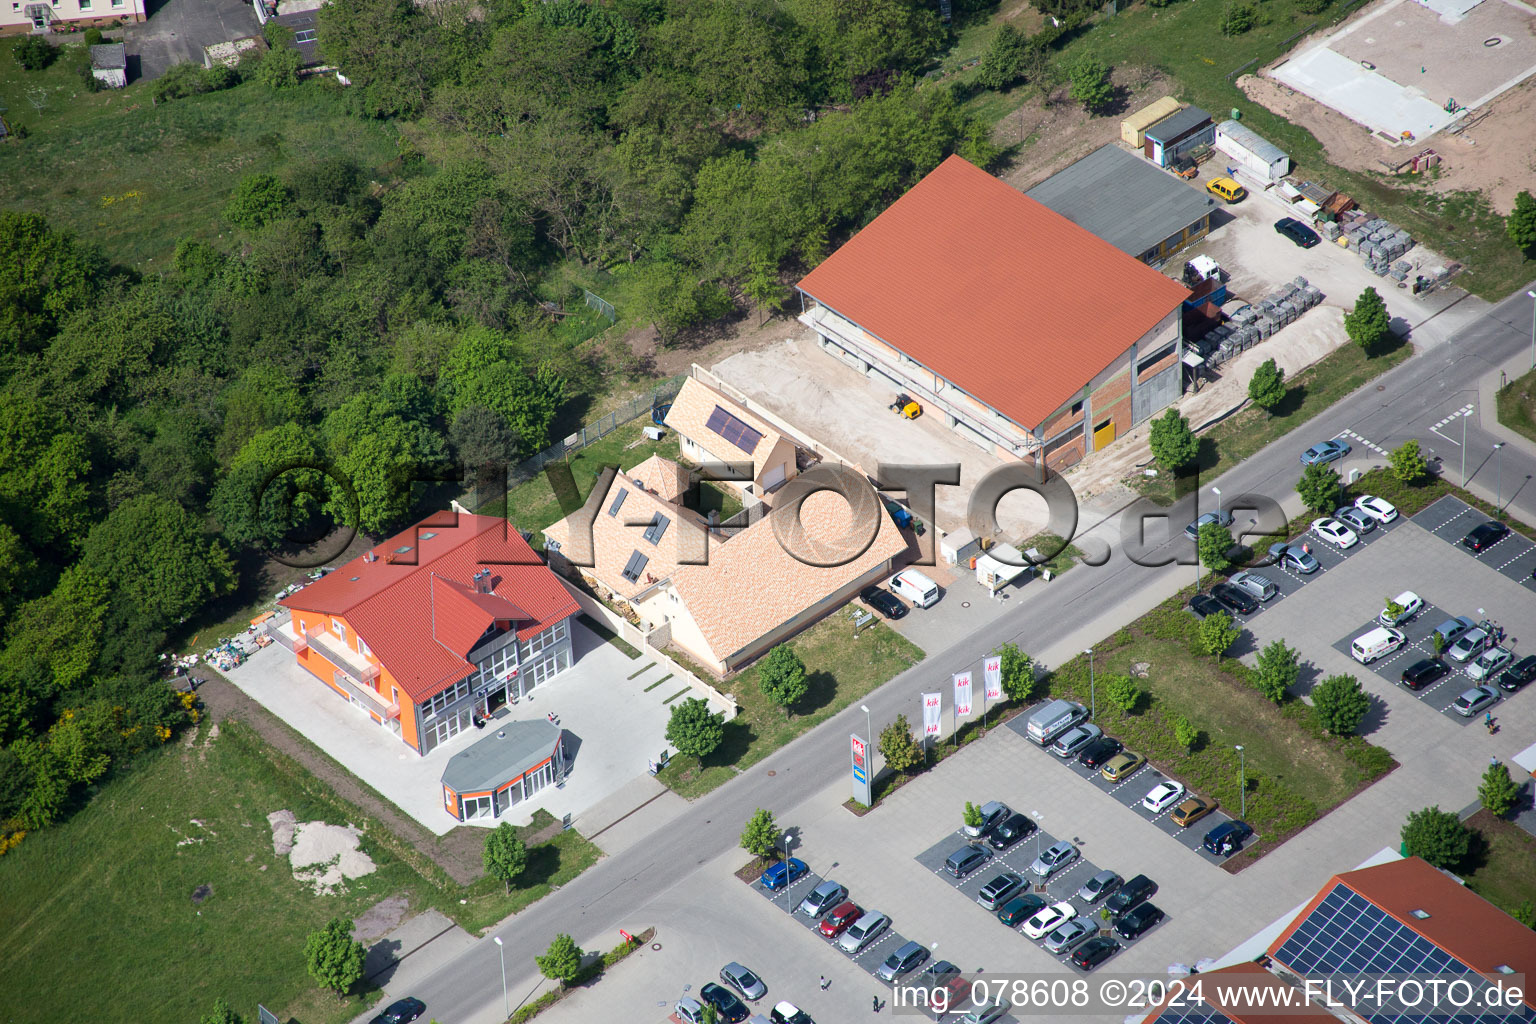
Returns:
<point x="932" y="708"/>
<point x="993" y="673"/>
<point x="963" y="695"/>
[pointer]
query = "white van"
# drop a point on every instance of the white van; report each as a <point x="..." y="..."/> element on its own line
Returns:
<point x="915" y="587"/>
<point x="1054" y="719"/>
<point x="1379" y="642"/>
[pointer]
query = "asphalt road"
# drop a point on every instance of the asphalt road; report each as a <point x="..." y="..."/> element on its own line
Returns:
<point x="1405" y="403"/>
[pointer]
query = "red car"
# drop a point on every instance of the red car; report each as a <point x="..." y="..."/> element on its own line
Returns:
<point x="843" y="915"/>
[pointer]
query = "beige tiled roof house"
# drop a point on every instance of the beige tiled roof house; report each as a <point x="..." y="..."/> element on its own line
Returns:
<point x="712" y="428"/>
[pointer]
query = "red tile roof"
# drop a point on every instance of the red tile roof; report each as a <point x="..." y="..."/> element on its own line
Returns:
<point x="415" y="604"/>
<point x="1000" y="295"/>
<point x="1460" y="921"/>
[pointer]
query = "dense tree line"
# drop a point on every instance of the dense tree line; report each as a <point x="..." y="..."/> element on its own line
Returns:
<point x="353" y="328"/>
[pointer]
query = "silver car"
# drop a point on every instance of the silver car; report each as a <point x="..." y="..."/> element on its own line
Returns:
<point x="1075" y="739"/>
<point x="1293" y="557"/>
<point x="863" y="931"/>
<point x="1356" y="519"/>
<point x="1099" y="886"/>
<point x="1053" y="858"/>
<point x="1070" y="935"/>
<point x="1476" y="699"/>
<point x="1260" y="587"/>
<point x="823" y="898"/>
<point x="1469" y="646"/>
<point x="744" y="981"/>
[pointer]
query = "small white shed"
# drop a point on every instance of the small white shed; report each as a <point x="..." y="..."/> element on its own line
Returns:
<point x="1251" y="152"/>
<point x="109" y="65"/>
<point x="958" y="546"/>
<point x="997" y="568"/>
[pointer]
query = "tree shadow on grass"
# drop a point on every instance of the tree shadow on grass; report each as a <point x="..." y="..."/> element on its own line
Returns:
<point x="1291" y="403"/>
<point x="736" y="739"/>
<point x="543" y="865"/>
<point x="1206" y="457"/>
<point x="820" y="689"/>
<point x="1478" y="851"/>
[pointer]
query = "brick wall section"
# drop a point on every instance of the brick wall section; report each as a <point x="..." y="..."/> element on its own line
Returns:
<point x="1148" y="372"/>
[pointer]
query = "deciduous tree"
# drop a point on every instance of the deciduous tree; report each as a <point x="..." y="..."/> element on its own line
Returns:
<point x="1018" y="672"/>
<point x="334" y="957"/>
<point x="899" y="747"/>
<point x="505" y="856"/>
<point x="1498" y="791"/>
<point x="760" y="838"/>
<point x="1091" y="84"/>
<point x="1521" y="223"/>
<point x="1367" y="323"/>
<point x="1123" y="692"/>
<point x="1340" y="704"/>
<point x="1173" y="443"/>
<point x="1318" y="488"/>
<point x="1267" y="385"/>
<point x="781" y="677"/>
<point x="1214" y="544"/>
<point x="562" y="961"/>
<point x="1437" y="836"/>
<point x="693" y="729"/>
<point x="1217" y="633"/>
<point x="1278" y="670"/>
<point x="1407" y="462"/>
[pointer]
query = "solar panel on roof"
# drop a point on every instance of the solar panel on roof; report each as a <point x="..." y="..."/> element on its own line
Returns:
<point x="1201" y="1014"/>
<point x="733" y="430"/>
<point x="618" y="499"/>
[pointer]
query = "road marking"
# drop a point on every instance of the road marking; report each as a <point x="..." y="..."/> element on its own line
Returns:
<point x="1465" y="410"/>
<point x="1369" y="444"/>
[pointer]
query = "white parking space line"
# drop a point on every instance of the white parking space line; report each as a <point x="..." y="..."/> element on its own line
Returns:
<point x="1368" y="443"/>
<point x="1465" y="410"/>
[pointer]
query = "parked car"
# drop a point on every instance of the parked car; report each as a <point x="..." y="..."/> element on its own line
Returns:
<point x="992" y="812"/>
<point x="945" y="977"/>
<point x="1423" y="672"/>
<point x="1410" y="603"/>
<point x="1131" y="893"/>
<point x="1227" y="838"/>
<point x="744" y="981"/>
<point x="1235" y="599"/>
<point x="1293" y="557"/>
<point x="1192" y="810"/>
<point x="1163" y="796"/>
<point x="915" y="587"/>
<point x="1202" y="605"/>
<point x="1069" y="743"/>
<point x="1099" y="886"/>
<point x="1356" y="519"/>
<point x="1053" y="858"/>
<point x="1220" y="518"/>
<point x="1476" y="699"/>
<point x="784" y="873"/>
<point x="989" y="1014"/>
<point x="1380" y="509"/>
<point x="905" y="958"/>
<point x="401" y="1011"/>
<point x="1069" y="936"/>
<point x="1297" y="232"/>
<point x="823" y="898"/>
<point x="1324" y="452"/>
<point x="862" y="932"/>
<point x="1483" y="537"/>
<point x="1489" y="664"/>
<point x="1094" y="952"/>
<point x="785" y="1012"/>
<point x="1137" y="920"/>
<point x="883" y="601"/>
<point x="1100" y="750"/>
<point x="1016" y="827"/>
<point x="689" y="1011"/>
<point x="730" y="1009"/>
<point x="1520" y="673"/>
<point x="1000" y="890"/>
<point x="1049" y="919"/>
<point x="1122" y="766"/>
<point x="1260" y="587"/>
<point x="1451" y="630"/>
<point x="1226" y="188"/>
<point x="967" y="859"/>
<point x="1334" y="532"/>
<point x="841" y="917"/>
<point x="1469" y="646"/>
<point x="1020" y="908"/>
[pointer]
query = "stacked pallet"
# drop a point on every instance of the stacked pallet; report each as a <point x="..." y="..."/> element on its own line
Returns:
<point x="1380" y="244"/>
<point x="1252" y="324"/>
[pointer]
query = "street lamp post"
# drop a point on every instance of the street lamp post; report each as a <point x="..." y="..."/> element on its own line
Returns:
<point x="789" y="841"/>
<point x="506" y="1007"/>
<point x="869" y="731"/>
<point x="1217" y="491"/>
<point x="1242" y="783"/>
<point x="1093" y="702"/>
<point x="1533" y="329"/>
<point x="1036" y="816"/>
<point x="1464" y="447"/>
<point x="1499" y="504"/>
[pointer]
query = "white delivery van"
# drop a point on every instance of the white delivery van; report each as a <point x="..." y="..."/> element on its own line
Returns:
<point x="1377" y="643"/>
<point x="1054" y="719"/>
<point x="915" y="587"/>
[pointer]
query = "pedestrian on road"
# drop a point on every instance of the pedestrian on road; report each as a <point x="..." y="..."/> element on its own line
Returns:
<point x="824" y="983"/>
<point x="875" y="1004"/>
<point x="1492" y="761"/>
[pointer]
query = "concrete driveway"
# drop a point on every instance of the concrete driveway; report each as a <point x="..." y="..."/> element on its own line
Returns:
<point x="177" y="31"/>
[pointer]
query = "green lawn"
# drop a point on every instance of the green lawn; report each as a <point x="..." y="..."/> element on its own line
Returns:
<point x="841" y="667"/>
<point x="1311" y="392"/>
<point x="134" y="177"/>
<point x="714" y="497"/>
<point x="1503" y="862"/>
<point x="551" y="864"/>
<point x="1294" y="773"/>
<point x="1517" y="405"/>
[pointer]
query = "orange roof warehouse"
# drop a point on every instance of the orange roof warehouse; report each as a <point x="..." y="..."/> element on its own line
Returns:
<point x="1030" y="336"/>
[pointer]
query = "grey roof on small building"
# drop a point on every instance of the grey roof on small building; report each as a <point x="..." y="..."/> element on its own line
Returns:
<point x="1252" y="141"/>
<point x="305" y="28"/>
<point x="502" y="756"/>
<point x="1178" y="125"/>
<point x="109" y="57"/>
<point x="1124" y="200"/>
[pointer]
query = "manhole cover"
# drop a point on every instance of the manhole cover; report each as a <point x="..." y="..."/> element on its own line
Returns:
<point x="965" y="604"/>
<point x="201" y="893"/>
<point x="772" y="772"/>
<point x="1493" y="40"/>
<point x="1381" y="387"/>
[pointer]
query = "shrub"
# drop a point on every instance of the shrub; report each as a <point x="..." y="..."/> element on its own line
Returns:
<point x="760" y="837"/>
<point x="1367" y="323"/>
<point x="1498" y="791"/>
<point x="1122" y="692"/>
<point x="1437" y="836"/>
<point x="1090" y="82"/>
<point x="1240" y="18"/>
<point x="1267" y="385"/>
<point x="1407" y="463"/>
<point x="1173" y="443"/>
<point x="92" y="37"/>
<point x="34" y="53"/>
<point x="1340" y="704"/>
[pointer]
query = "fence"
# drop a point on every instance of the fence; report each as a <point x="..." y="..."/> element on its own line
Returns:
<point x="602" y="305"/>
<point x="592" y="432"/>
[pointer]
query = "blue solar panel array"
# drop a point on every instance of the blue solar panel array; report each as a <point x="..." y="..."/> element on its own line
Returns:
<point x="1193" y="1015"/>
<point x="1347" y="933"/>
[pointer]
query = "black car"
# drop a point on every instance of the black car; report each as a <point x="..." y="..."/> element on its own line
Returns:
<point x="1137" y="920"/>
<point x="1421" y="673"/>
<point x="1094" y="952"/>
<point x="883" y="601"/>
<point x="1484" y="537"/>
<point x="1202" y="605"/>
<point x="1138" y="890"/>
<point x="1518" y="674"/>
<point x="1016" y="827"/>
<point x="401" y="1011"/>
<point x="731" y="1009"/>
<point x="1100" y="750"/>
<point x="1235" y="599"/>
<point x="1297" y="232"/>
<point x="1227" y="838"/>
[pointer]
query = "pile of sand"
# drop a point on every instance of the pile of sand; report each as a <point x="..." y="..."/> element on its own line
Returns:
<point x="323" y="856"/>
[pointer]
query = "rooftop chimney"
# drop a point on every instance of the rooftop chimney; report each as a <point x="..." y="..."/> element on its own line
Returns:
<point x="483" y="581"/>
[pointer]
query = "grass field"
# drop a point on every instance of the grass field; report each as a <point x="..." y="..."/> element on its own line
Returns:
<point x="1294" y="773"/>
<point x="1310" y="392"/>
<point x="1517" y="405"/>
<point x="1503" y="869"/>
<point x="133" y="177"/>
<point x="840" y="668"/>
